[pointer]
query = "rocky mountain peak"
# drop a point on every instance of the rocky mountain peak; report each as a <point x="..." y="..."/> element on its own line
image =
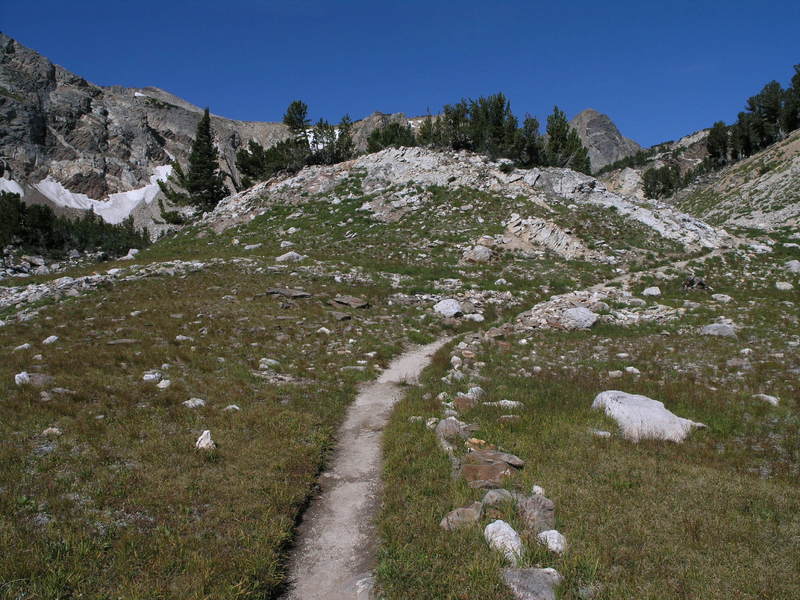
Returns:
<point x="602" y="138"/>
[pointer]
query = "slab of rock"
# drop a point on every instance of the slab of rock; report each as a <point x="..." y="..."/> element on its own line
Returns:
<point x="653" y="291"/>
<point x="194" y="403"/>
<point x="290" y="256"/>
<point x="532" y="584"/>
<point x="122" y="342"/>
<point x="288" y="293"/>
<point x="501" y="537"/>
<point x="793" y="266"/>
<point x="477" y="254"/>
<point x="450" y="428"/>
<point x="719" y="329"/>
<point x="493" y="456"/>
<point x="640" y="417"/>
<point x="537" y="512"/>
<point x="464" y="403"/>
<point x="498" y="496"/>
<point x="340" y="316"/>
<point x="724" y="298"/>
<point x="774" y="400"/>
<point x="351" y="301"/>
<point x="485" y="476"/>
<point x="462" y="516"/>
<point x="783" y="286"/>
<point x="51" y="339"/>
<point x="578" y="318"/>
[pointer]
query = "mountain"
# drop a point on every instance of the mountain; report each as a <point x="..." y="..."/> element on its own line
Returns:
<point x="602" y="138"/>
<point x="74" y="145"/>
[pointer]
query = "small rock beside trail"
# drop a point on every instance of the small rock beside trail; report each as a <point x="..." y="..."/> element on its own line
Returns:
<point x="448" y="307"/>
<point x="501" y="537"/>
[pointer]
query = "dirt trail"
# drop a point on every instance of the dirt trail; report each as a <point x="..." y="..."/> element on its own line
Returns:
<point x="336" y="540"/>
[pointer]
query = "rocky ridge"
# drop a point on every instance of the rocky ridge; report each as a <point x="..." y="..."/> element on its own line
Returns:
<point x="602" y="138"/>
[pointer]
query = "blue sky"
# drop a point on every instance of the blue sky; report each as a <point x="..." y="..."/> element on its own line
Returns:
<point x="659" y="69"/>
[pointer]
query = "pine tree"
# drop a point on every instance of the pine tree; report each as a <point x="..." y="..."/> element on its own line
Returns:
<point x="564" y="148"/>
<point x="717" y="144"/>
<point x="345" y="148"/>
<point x="203" y="184"/>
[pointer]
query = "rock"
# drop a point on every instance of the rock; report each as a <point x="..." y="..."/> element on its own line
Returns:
<point x="653" y="291"/>
<point x="448" y="307"/>
<point x="122" y="342"/>
<point x="600" y="433"/>
<point x="351" y="301"/>
<point x="340" y="316"/>
<point x="231" y="408"/>
<point x="22" y="378"/>
<point x="450" y="428"/>
<point x="290" y="256"/>
<point x="783" y="286"/>
<point x="204" y="442"/>
<point x="493" y="456"/>
<point x="767" y="398"/>
<point x="252" y="246"/>
<point x="464" y="403"/>
<point x="695" y="283"/>
<point x="164" y="384"/>
<point x="553" y="540"/>
<point x="22" y="347"/>
<point x="152" y="376"/>
<point x="633" y="371"/>
<point x="507" y="404"/>
<point x="533" y="583"/>
<point x="502" y="537"/>
<point x="719" y="329"/>
<point x="475" y="317"/>
<point x="723" y="298"/>
<point x="615" y="374"/>
<point x="477" y="254"/>
<point x="288" y="293"/>
<point x="50" y="340"/>
<point x="324" y="331"/>
<point x="52" y="432"/>
<point x="640" y="417"/>
<point x="485" y="476"/>
<point x="183" y="338"/>
<point x="793" y="266"/>
<point x="194" y="403"/>
<point x="537" y="512"/>
<point x="578" y="318"/>
<point x="462" y="516"/>
<point x="498" y="496"/>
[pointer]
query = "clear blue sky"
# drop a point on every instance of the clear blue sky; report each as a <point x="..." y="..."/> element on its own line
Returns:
<point x="659" y="69"/>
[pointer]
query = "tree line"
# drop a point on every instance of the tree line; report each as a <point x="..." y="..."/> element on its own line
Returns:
<point x="36" y="228"/>
<point x="485" y="125"/>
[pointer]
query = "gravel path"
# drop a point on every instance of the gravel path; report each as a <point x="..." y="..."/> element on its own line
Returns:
<point x="336" y="540"/>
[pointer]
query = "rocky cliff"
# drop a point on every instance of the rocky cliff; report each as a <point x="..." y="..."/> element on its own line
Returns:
<point x="602" y="138"/>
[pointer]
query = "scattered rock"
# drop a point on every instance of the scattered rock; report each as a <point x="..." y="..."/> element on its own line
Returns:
<point x="719" y="329"/>
<point x="774" y="400"/>
<point x="448" y="307"/>
<point x="653" y="291"/>
<point x="783" y="286"/>
<point x="50" y="340"/>
<point x="723" y="298"/>
<point x="22" y="378"/>
<point x="52" y="432"/>
<point x="204" y="442"/>
<point x="351" y="301"/>
<point x="579" y="318"/>
<point x="288" y="293"/>
<point x="497" y="496"/>
<point x="477" y="254"/>
<point x="290" y="256"/>
<point x="793" y="266"/>
<point x="537" y="512"/>
<point x="194" y="403"/>
<point x="231" y="408"/>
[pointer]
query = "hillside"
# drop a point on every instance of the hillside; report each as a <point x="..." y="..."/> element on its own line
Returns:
<point x="761" y="191"/>
<point x="259" y="323"/>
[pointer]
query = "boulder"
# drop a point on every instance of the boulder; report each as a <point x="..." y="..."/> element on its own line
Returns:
<point x="719" y="329"/>
<point x="774" y="400"/>
<point x="501" y="537"/>
<point x="640" y="417"/>
<point x="351" y="301"/>
<point x="553" y="540"/>
<point x="653" y="291"/>
<point x="448" y="307"/>
<point x="793" y="266"/>
<point x="537" y="512"/>
<point x="724" y="298"/>
<point x="783" y="286"/>
<point x="477" y="254"/>
<point x="498" y="496"/>
<point x="204" y="442"/>
<point x="290" y="256"/>
<point x="578" y="318"/>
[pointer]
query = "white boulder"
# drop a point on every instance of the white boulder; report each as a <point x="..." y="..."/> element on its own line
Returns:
<point x="553" y="540"/>
<point x="653" y="291"/>
<point x="640" y="417"/>
<point x="783" y="286"/>
<point x="290" y="256"/>
<point x="204" y="442"/>
<point x="578" y="318"/>
<point x="194" y="403"/>
<point x="51" y="339"/>
<point x="448" y="307"/>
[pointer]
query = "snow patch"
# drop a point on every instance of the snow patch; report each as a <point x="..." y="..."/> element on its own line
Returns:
<point x="10" y="186"/>
<point x="116" y="208"/>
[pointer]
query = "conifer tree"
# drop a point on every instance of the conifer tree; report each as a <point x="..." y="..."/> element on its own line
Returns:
<point x="202" y="184"/>
<point x="717" y="144"/>
<point x="564" y="148"/>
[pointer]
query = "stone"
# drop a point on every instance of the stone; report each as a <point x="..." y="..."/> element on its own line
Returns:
<point x="340" y="316"/>
<point x="773" y="400"/>
<point x="783" y="286"/>
<point x="52" y="432"/>
<point x="448" y="307"/>
<point x="164" y="384"/>
<point x="578" y="318"/>
<point x="50" y="340"/>
<point x="640" y="417"/>
<point x="204" y="442"/>
<point x="290" y="256"/>
<point x="122" y="342"/>
<point x="194" y="403"/>
<point x="464" y="403"/>
<point x="462" y="516"/>
<point x="507" y="404"/>
<point x="632" y="371"/>
<point x="485" y="475"/>
<point x="501" y="537"/>
<point x="22" y="347"/>
<point x="288" y="293"/>
<point x="537" y="512"/>
<point x="183" y="338"/>
<point x="793" y="266"/>
<point x="489" y="456"/>
<point x="324" y="331"/>
<point x="477" y="254"/>
<point x="719" y="329"/>
<point x="22" y="378"/>
<point x="653" y="291"/>
<point x="231" y="408"/>
<point x="532" y="583"/>
<point x="351" y="301"/>
<point x="450" y="428"/>
<point x="152" y="376"/>
<point x="615" y="374"/>
<point x="723" y="298"/>
<point x="553" y="541"/>
<point x="498" y="496"/>
<point x="252" y="246"/>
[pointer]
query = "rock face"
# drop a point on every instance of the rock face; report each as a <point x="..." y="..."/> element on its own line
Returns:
<point x="602" y="138"/>
<point x="640" y="417"/>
